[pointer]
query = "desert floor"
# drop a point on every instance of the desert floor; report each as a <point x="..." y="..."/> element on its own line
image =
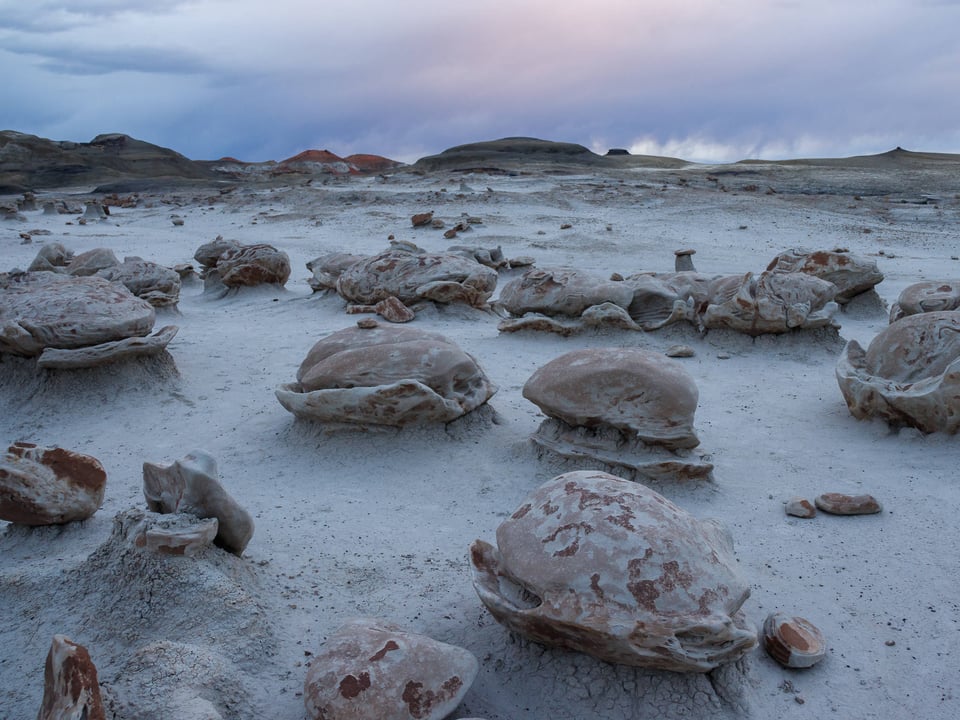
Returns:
<point x="378" y="524"/>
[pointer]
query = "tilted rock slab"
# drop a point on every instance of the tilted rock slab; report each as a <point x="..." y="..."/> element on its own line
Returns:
<point x="373" y="669"/>
<point x="158" y="285"/>
<point x="191" y="485"/>
<point x="852" y="274"/>
<point x="412" y="276"/>
<point x="251" y="265"/>
<point x="774" y="302"/>
<point x="49" y="485"/>
<point x="595" y="563"/>
<point x="108" y="352"/>
<point x="71" y="690"/>
<point x="41" y="310"/>
<point x="908" y="375"/>
<point x="386" y="375"/>
<point x="927" y="296"/>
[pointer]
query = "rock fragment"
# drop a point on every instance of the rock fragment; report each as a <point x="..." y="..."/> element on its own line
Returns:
<point x="794" y="642"/>
<point x="800" y="507"/>
<point x="71" y="690"/>
<point x="841" y="504"/>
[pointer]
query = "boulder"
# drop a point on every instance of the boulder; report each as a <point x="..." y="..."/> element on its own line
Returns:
<point x="253" y="265"/>
<point x="773" y="302"/>
<point x="209" y="253"/>
<point x="384" y="375"/>
<point x="41" y="310"/>
<point x="53" y="257"/>
<point x="411" y="276"/>
<point x="91" y="262"/>
<point x="372" y="669"/>
<point x="327" y="269"/>
<point x="909" y="375"/>
<point x="158" y="285"/>
<point x="852" y="274"/>
<point x="927" y="296"/>
<point x="561" y="291"/>
<point x="594" y="563"/>
<point x="49" y="485"/>
<point x="191" y="485"/>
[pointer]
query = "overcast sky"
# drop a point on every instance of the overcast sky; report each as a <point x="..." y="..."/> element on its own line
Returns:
<point x="697" y="79"/>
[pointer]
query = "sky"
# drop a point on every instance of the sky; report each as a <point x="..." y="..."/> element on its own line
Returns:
<point x="697" y="79"/>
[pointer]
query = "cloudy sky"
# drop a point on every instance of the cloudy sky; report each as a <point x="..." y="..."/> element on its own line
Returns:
<point x="697" y="79"/>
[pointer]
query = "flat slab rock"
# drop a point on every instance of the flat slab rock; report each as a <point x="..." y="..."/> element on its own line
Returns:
<point x="373" y="669"/>
<point x="108" y="352"/>
<point x="40" y="310"/>
<point x="49" y="485"/>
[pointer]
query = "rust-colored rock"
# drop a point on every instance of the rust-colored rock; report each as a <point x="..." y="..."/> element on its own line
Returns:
<point x="393" y="310"/>
<point x="794" y="642"/>
<point x="841" y="504"/>
<point x="421" y="219"/>
<point x="928" y="296"/>
<point x="851" y="274"/>
<point x="71" y="690"/>
<point x="49" y="485"/>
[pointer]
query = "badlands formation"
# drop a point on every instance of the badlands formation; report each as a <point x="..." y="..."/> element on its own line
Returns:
<point x="518" y="431"/>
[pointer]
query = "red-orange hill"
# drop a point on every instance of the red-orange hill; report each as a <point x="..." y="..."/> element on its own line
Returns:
<point x="358" y="163"/>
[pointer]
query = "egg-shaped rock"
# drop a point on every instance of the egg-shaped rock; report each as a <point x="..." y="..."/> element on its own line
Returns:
<point x="641" y="393"/>
<point x="598" y="564"/>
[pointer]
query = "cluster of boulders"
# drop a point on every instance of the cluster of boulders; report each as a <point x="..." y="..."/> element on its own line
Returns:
<point x="798" y="290"/>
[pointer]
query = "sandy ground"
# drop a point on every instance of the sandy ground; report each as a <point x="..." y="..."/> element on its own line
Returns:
<point x="378" y="524"/>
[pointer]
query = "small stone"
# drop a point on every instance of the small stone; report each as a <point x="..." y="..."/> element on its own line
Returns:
<point x="794" y="642"/>
<point x="723" y="356"/>
<point x="890" y="643"/>
<point x="437" y="224"/>
<point x="840" y="504"/>
<point x="451" y="233"/>
<point x="179" y="534"/>
<point x="70" y="685"/>
<point x="616" y="277"/>
<point x="421" y="219"/>
<point x="680" y="351"/>
<point x="367" y="324"/>
<point x="177" y="220"/>
<point x="393" y="310"/>
<point x="474" y="220"/>
<point x="800" y="507"/>
<point x="566" y="226"/>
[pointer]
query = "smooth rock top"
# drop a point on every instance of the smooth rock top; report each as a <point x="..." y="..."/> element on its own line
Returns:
<point x="794" y="642"/>
<point x="373" y="669"/>
<point x="253" y="265"/>
<point x="561" y="291"/>
<point x="851" y="274"/>
<point x="927" y="296"/>
<point x="609" y="567"/>
<point x="639" y="392"/>
<point x="43" y="309"/>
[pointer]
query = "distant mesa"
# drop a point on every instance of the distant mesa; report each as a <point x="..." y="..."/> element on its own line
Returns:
<point x="618" y="151"/>
<point x="324" y="161"/>
<point x="513" y="152"/>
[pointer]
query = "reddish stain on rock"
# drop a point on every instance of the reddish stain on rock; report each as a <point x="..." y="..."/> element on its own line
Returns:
<point x="352" y="686"/>
<point x="391" y="645"/>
